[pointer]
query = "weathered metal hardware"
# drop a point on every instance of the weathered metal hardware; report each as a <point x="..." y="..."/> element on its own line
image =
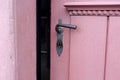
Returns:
<point x="60" y="29"/>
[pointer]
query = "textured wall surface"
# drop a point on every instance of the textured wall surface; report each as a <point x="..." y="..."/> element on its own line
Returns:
<point x="17" y="40"/>
<point x="7" y="49"/>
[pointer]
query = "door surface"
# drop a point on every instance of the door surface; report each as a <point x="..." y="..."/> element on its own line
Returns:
<point x="83" y="56"/>
<point x="87" y="48"/>
<point x="91" y="52"/>
<point x="113" y="55"/>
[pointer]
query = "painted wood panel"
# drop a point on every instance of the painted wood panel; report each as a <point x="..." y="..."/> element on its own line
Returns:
<point x="25" y="27"/>
<point x="60" y="65"/>
<point x="113" y="52"/>
<point x="87" y="48"/>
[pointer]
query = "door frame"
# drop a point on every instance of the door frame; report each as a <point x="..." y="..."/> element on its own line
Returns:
<point x="24" y="14"/>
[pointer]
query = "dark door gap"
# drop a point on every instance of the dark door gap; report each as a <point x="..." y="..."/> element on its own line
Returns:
<point x="43" y="39"/>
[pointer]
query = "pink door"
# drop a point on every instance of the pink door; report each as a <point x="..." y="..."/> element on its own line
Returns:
<point x="87" y="48"/>
<point x="91" y="52"/>
<point x="113" y="59"/>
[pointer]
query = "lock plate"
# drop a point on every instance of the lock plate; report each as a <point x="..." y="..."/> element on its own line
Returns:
<point x="59" y="44"/>
<point x="60" y="29"/>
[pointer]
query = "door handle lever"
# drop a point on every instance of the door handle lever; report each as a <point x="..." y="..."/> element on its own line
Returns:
<point x="67" y="26"/>
<point x="60" y="29"/>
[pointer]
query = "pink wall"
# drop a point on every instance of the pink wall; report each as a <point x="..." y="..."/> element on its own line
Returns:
<point x="17" y="40"/>
<point x="7" y="45"/>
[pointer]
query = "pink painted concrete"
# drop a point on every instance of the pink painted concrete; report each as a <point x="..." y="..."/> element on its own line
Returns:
<point x="113" y="55"/>
<point x="7" y="51"/>
<point x="87" y="48"/>
<point x="25" y="24"/>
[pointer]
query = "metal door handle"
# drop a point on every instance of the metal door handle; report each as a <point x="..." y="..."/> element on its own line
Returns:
<point x="67" y="26"/>
<point x="60" y="29"/>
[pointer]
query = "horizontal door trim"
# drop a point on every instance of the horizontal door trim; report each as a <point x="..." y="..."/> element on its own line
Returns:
<point x="111" y="8"/>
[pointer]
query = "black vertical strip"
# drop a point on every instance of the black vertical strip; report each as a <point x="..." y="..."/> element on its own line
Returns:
<point x="48" y="32"/>
<point x="42" y="12"/>
<point x="38" y="15"/>
<point x="48" y="35"/>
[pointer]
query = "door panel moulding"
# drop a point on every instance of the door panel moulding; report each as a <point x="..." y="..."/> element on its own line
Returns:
<point x="93" y="8"/>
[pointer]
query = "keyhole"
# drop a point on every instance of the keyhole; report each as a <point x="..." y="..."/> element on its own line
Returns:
<point x="59" y="44"/>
